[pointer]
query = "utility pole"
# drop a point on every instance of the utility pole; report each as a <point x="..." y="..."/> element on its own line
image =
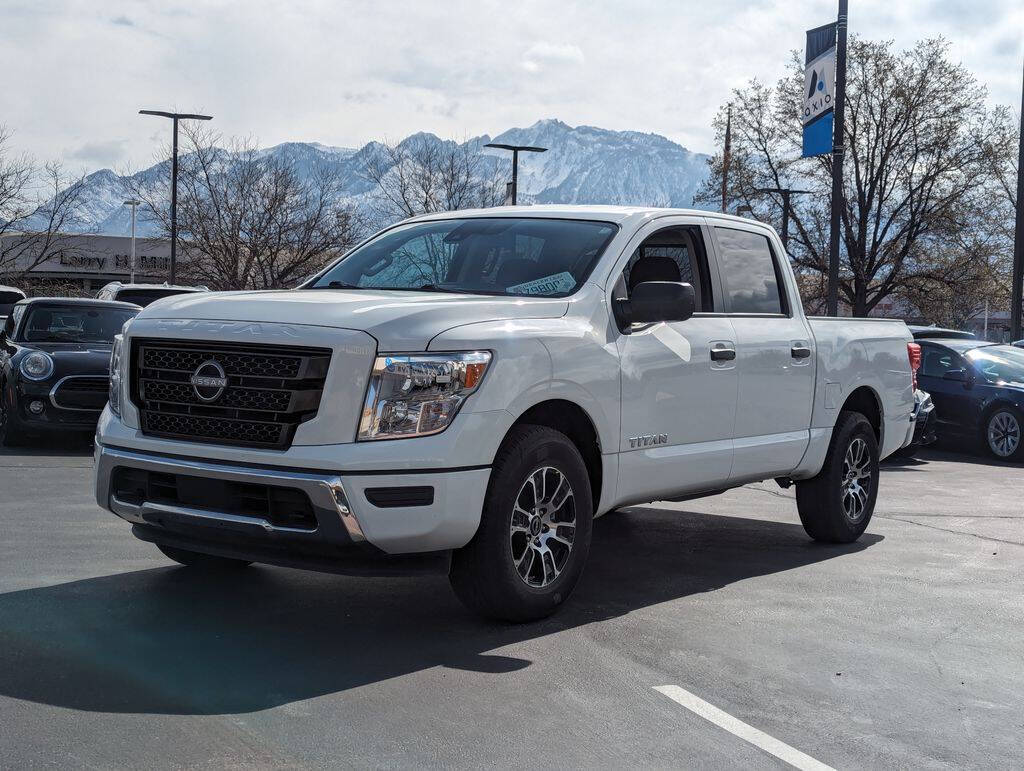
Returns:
<point x="134" y="204"/>
<point x="516" y="149"/>
<point x="726" y="159"/>
<point x="837" y="161"/>
<point x="1018" y="234"/>
<point x="174" y="116"/>
<point x="785" y="192"/>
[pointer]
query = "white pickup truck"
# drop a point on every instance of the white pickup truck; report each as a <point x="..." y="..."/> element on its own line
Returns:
<point x="465" y="392"/>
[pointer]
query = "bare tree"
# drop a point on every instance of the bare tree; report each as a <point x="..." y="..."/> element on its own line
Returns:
<point x="424" y="174"/>
<point x="38" y="205"/>
<point x="919" y="141"/>
<point x="248" y="219"/>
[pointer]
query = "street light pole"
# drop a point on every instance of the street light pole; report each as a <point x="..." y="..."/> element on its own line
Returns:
<point x="785" y="192"/>
<point x="1018" y="234"/>
<point x="134" y="204"/>
<point x="174" y="116"/>
<point x="838" y="139"/>
<point x="516" y="149"/>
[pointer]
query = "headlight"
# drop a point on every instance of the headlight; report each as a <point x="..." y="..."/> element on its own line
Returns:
<point x="37" y="366"/>
<point x="114" y="395"/>
<point x="420" y="394"/>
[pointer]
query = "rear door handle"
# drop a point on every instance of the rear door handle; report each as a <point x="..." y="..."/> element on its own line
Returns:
<point x="800" y="352"/>
<point x="723" y="354"/>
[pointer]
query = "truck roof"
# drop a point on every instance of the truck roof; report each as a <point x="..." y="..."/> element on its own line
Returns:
<point x="616" y="214"/>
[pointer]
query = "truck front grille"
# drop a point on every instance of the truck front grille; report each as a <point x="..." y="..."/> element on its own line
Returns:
<point x="258" y="396"/>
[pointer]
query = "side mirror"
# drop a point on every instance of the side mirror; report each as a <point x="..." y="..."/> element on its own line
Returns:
<point x="653" y="301"/>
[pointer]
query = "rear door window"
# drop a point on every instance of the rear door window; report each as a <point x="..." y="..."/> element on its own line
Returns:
<point x="750" y="277"/>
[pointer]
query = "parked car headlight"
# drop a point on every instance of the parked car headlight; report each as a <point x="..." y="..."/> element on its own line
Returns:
<point x="114" y="395"/>
<point x="416" y="395"/>
<point x="37" y="366"/>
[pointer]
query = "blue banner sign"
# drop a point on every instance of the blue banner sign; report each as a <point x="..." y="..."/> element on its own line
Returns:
<point x="817" y="109"/>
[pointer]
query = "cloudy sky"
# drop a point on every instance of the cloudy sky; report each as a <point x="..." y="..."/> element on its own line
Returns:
<point x="343" y="72"/>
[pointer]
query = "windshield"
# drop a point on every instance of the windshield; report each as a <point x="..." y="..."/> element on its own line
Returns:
<point x="496" y="255"/>
<point x="144" y="297"/>
<point x="74" y="324"/>
<point x="999" y="363"/>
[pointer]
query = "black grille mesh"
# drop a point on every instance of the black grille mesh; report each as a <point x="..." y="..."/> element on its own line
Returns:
<point x="251" y="364"/>
<point x="270" y="390"/>
<point x="211" y="428"/>
<point x="242" y="398"/>
<point x="82" y="393"/>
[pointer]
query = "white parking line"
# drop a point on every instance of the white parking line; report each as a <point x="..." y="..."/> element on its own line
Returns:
<point x="748" y="733"/>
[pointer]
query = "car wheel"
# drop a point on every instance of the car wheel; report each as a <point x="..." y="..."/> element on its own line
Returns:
<point x="194" y="559"/>
<point x="1002" y="434"/>
<point x="534" y="535"/>
<point x="837" y="504"/>
<point x="10" y="430"/>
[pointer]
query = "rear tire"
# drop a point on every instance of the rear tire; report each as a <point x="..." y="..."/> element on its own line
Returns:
<point x="534" y="535"/>
<point x="836" y="505"/>
<point x="194" y="559"/>
<point x="1001" y="434"/>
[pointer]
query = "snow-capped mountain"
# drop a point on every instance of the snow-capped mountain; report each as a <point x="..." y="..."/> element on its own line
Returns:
<point x="583" y="164"/>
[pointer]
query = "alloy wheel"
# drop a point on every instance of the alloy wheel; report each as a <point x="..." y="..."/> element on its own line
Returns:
<point x="543" y="527"/>
<point x="1003" y="434"/>
<point x="856" y="485"/>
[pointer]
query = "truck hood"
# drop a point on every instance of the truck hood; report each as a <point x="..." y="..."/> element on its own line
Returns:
<point x="399" y="321"/>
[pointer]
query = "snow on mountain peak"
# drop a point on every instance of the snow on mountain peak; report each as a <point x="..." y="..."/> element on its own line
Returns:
<point x="583" y="164"/>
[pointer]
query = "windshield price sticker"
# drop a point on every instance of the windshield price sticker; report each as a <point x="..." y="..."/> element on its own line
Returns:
<point x="560" y="282"/>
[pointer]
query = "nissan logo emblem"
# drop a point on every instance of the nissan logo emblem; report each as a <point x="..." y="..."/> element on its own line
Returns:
<point x="208" y="381"/>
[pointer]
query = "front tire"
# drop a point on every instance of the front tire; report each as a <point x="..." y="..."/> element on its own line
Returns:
<point x="836" y="505"/>
<point x="194" y="559"/>
<point x="1002" y="434"/>
<point x="534" y="535"/>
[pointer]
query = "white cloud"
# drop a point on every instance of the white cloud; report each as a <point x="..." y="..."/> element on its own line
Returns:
<point x="542" y="55"/>
<point x="344" y="72"/>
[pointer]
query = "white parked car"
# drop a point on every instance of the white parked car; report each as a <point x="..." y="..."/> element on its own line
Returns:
<point x="467" y="391"/>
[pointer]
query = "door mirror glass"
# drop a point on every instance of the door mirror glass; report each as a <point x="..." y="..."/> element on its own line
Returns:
<point x="653" y="301"/>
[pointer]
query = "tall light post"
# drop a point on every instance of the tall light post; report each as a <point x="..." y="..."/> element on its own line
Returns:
<point x="516" y="149"/>
<point x="1018" y="234"/>
<point x="785" y="192"/>
<point x="174" y="116"/>
<point x="134" y="204"/>
<point x="838" y="140"/>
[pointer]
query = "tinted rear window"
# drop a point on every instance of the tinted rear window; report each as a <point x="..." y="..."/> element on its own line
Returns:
<point x="7" y="301"/>
<point x="144" y="297"/>
<point x="748" y="272"/>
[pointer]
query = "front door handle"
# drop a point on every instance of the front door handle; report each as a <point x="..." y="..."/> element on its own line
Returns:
<point x="723" y="354"/>
<point x="800" y="352"/>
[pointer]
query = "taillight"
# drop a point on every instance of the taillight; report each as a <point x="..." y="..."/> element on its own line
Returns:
<point x="914" y="354"/>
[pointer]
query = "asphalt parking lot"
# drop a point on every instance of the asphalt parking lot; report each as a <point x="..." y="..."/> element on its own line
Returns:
<point x="905" y="649"/>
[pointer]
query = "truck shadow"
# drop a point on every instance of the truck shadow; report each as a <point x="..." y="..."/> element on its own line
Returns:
<point x="173" y="641"/>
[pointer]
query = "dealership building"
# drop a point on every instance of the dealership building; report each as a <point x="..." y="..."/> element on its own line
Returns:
<point x="88" y="261"/>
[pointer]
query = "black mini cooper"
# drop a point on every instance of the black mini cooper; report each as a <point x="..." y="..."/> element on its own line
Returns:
<point x="55" y="364"/>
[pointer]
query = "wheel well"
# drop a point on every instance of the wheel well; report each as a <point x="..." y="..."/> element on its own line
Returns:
<point x="570" y="419"/>
<point x="864" y="401"/>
